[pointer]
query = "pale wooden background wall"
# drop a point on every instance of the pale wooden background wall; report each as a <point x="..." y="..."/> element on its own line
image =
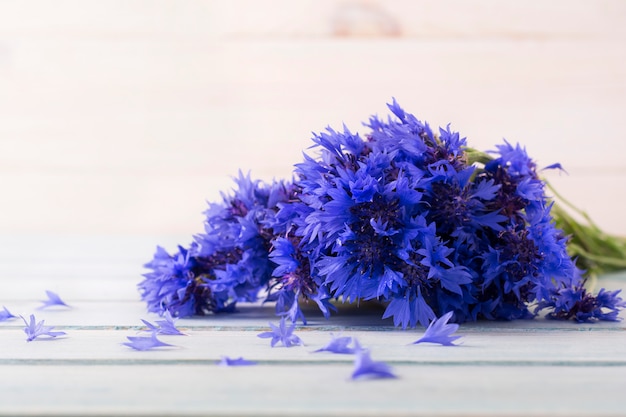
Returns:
<point x="124" y="117"/>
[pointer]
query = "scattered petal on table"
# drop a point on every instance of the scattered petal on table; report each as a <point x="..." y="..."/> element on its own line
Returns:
<point x="53" y="300"/>
<point x="145" y="342"/>
<point x="35" y="329"/>
<point x="338" y="345"/>
<point x="365" y="367"/>
<point x="282" y="334"/>
<point x="439" y="331"/>
<point x="226" y="361"/>
<point x="5" y="314"/>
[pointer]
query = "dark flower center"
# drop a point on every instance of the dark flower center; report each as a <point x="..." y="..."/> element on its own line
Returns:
<point x="507" y="201"/>
<point x="526" y="256"/>
<point x="449" y="207"/>
<point x="373" y="249"/>
<point x="238" y="208"/>
<point x="301" y="278"/>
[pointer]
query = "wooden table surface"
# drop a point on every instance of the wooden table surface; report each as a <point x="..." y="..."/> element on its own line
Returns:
<point x="536" y="367"/>
<point x="120" y="119"/>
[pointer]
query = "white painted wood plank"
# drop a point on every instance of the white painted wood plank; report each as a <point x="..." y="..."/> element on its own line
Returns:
<point x="114" y="114"/>
<point x="67" y="249"/>
<point x="480" y="346"/>
<point x="141" y="148"/>
<point x="452" y="18"/>
<point x="310" y="390"/>
<point x="422" y="19"/>
<point x="174" y="206"/>
<point x="126" y="312"/>
<point x="140" y="107"/>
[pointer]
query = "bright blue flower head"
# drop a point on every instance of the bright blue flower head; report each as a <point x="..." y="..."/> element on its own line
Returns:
<point x="227" y="263"/>
<point x="402" y="215"/>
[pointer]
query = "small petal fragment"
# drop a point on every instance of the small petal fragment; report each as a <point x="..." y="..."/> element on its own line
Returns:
<point x="166" y="327"/>
<point x="53" y="300"/>
<point x="226" y="361"/>
<point x="439" y="331"/>
<point x="282" y="334"/>
<point x="35" y="329"/>
<point x="5" y="314"/>
<point x="145" y="343"/>
<point x="365" y="367"/>
<point x="338" y="345"/>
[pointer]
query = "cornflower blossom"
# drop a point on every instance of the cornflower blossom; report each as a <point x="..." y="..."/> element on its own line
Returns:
<point x="176" y="284"/>
<point x="577" y="303"/>
<point x="294" y="279"/>
<point x="371" y="202"/>
<point x="403" y="215"/>
<point x="226" y="264"/>
<point x="524" y="261"/>
<point x="35" y="329"/>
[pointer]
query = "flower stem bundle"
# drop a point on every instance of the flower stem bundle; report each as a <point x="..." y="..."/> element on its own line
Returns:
<point x="411" y="218"/>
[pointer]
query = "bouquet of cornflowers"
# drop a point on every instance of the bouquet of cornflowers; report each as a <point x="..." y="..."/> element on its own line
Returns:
<point x="405" y="216"/>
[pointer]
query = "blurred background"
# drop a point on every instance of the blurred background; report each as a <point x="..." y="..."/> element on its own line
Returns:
<point x="126" y="117"/>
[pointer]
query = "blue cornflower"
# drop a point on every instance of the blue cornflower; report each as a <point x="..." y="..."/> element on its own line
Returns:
<point x="403" y="215"/>
<point x="365" y="367"/>
<point x="35" y="329"/>
<point x="176" y="284"/>
<point x="373" y="216"/>
<point x="5" y="314"/>
<point x="554" y="265"/>
<point x="521" y="189"/>
<point x="526" y="262"/>
<point x="578" y="304"/>
<point x="458" y="205"/>
<point x="294" y="279"/>
<point x="439" y="331"/>
<point x="282" y="334"/>
<point x="339" y="345"/>
<point x="145" y="343"/>
<point x="53" y="300"/>
<point x="227" y="263"/>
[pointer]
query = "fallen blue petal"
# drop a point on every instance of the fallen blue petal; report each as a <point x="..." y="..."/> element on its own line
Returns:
<point x="166" y="327"/>
<point x="339" y="345"/>
<point x="226" y="361"/>
<point x="282" y="334"/>
<point x="145" y="343"/>
<point x="439" y="331"/>
<point x="152" y="328"/>
<point x="365" y="367"/>
<point x="35" y="329"/>
<point x="53" y="300"/>
<point x="5" y="314"/>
